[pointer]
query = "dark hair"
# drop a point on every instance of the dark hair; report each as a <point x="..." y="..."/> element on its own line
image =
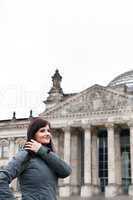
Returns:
<point x="34" y="126"/>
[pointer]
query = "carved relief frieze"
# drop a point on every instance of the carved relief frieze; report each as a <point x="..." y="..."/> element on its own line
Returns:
<point x="22" y="126"/>
<point x="97" y="100"/>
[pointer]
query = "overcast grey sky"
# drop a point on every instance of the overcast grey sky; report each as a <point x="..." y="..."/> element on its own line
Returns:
<point x="88" y="41"/>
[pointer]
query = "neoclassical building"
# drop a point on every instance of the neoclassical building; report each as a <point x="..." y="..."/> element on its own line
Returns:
<point x="92" y="130"/>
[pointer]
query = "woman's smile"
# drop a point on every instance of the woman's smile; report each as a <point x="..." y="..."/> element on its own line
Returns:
<point x="43" y="135"/>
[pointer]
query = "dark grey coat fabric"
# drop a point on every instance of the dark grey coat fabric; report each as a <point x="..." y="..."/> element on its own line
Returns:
<point x="38" y="176"/>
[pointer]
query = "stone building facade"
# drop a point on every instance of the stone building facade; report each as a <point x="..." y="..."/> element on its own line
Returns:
<point x="92" y="130"/>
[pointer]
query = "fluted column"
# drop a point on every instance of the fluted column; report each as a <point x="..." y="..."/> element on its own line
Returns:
<point x="86" y="189"/>
<point x="131" y="157"/>
<point x="111" y="189"/>
<point x="65" y="188"/>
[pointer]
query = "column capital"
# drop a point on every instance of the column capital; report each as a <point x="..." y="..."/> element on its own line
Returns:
<point x="66" y="128"/>
<point x="109" y="125"/>
<point x="130" y="124"/>
<point x="11" y="138"/>
<point x="86" y="126"/>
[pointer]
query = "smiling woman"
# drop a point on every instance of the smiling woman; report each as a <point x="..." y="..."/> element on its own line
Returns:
<point x="37" y="157"/>
<point x="39" y="133"/>
<point x="43" y="135"/>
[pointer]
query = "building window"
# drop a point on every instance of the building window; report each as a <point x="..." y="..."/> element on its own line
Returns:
<point x="103" y="158"/>
<point x="4" y="149"/>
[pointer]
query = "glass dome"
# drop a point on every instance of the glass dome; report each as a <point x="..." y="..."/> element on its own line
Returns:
<point x="125" y="78"/>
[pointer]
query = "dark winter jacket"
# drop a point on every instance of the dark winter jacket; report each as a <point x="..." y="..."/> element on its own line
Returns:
<point x="38" y="175"/>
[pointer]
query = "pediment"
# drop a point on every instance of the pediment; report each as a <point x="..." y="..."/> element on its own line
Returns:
<point x="94" y="99"/>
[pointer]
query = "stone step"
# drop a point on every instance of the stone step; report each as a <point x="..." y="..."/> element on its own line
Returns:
<point x="98" y="197"/>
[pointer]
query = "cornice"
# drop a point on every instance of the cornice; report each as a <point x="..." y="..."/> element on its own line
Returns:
<point x="13" y="125"/>
<point x="92" y="114"/>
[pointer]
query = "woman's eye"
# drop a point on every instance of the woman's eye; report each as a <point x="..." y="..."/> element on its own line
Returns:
<point x="45" y="130"/>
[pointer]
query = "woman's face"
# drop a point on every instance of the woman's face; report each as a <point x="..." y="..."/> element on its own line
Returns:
<point x="43" y="135"/>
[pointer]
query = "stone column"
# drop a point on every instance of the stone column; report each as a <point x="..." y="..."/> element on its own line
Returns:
<point x="95" y="179"/>
<point x="56" y="140"/>
<point x="118" y="159"/>
<point x="11" y="147"/>
<point x="112" y="188"/>
<point x="131" y="158"/>
<point x="86" y="189"/>
<point x="65" y="188"/>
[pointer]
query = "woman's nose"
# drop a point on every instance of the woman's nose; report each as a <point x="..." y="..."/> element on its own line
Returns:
<point x="47" y="133"/>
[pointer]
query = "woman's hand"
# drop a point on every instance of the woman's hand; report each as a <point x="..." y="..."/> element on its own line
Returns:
<point x="33" y="145"/>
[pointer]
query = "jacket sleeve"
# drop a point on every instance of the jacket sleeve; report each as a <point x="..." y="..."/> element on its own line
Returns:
<point x="11" y="171"/>
<point x="59" y="166"/>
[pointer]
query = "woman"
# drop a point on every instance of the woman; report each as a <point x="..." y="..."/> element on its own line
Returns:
<point x="37" y="167"/>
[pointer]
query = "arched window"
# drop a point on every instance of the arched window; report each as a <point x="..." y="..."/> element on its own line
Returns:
<point x="4" y="148"/>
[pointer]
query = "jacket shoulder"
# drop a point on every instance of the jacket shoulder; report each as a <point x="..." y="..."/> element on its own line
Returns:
<point x="21" y="155"/>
